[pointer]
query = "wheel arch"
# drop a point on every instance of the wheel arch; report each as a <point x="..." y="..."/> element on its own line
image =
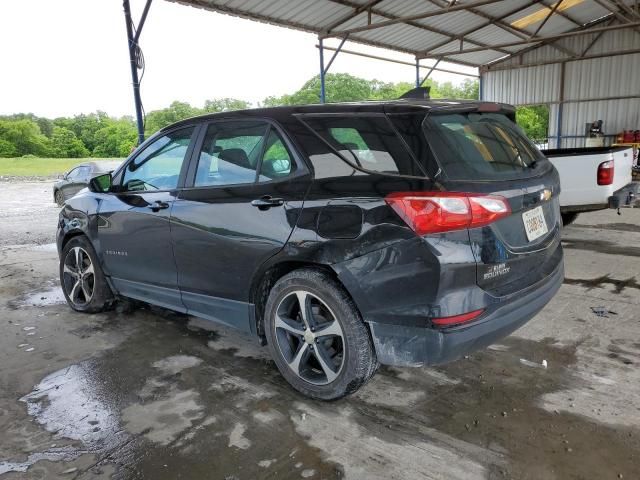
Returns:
<point x="264" y="281"/>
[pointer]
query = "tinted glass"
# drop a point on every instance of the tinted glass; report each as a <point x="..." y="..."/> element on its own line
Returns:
<point x="484" y="146"/>
<point x="370" y="143"/>
<point x="230" y="153"/>
<point x="276" y="160"/>
<point x="74" y="174"/>
<point x="158" y="166"/>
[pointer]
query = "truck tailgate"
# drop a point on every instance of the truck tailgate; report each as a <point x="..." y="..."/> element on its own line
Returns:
<point x="578" y="170"/>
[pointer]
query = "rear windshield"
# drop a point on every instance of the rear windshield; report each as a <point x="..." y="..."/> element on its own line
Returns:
<point x="369" y="143"/>
<point x="481" y="146"/>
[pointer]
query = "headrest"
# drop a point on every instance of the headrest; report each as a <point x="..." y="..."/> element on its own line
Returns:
<point x="236" y="156"/>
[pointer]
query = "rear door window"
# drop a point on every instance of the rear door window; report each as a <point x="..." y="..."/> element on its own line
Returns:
<point x="230" y="153"/>
<point x="481" y="146"/>
<point x="365" y="143"/>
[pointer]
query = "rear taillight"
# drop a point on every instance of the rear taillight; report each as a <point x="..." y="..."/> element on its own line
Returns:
<point x="434" y="212"/>
<point x="605" y="173"/>
<point x="456" y="319"/>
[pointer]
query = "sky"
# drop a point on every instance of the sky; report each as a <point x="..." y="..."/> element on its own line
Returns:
<point x="65" y="57"/>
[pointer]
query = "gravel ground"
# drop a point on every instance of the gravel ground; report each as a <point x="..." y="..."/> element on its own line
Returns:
<point x="148" y="394"/>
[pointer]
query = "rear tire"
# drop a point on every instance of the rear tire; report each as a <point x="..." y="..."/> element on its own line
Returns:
<point x="59" y="197"/>
<point x="324" y="349"/>
<point x="569" y="218"/>
<point x="83" y="283"/>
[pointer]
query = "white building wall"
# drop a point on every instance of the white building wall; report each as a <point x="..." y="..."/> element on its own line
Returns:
<point x="613" y="76"/>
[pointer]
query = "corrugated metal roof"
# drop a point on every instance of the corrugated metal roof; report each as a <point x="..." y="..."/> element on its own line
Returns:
<point x="480" y="24"/>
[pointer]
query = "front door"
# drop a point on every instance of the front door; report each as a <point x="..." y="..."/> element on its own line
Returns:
<point x="239" y="208"/>
<point x="133" y="224"/>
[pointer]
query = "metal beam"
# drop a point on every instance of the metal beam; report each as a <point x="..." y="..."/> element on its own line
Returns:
<point x="565" y="15"/>
<point x="134" y="70"/>
<point x="420" y="16"/>
<point x="546" y="19"/>
<point x="143" y="19"/>
<point x="489" y="68"/>
<point x="401" y="62"/>
<point x="390" y="17"/>
<point x="613" y="10"/>
<point x="492" y="21"/>
<point x="356" y="11"/>
<point x="497" y="21"/>
<point x="583" y="100"/>
<point x="623" y="6"/>
<point x="429" y="73"/>
<point x="552" y="43"/>
<point x="558" y="36"/>
<point x="335" y="54"/>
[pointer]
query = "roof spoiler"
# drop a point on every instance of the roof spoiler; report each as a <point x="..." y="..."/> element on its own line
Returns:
<point x="418" y="93"/>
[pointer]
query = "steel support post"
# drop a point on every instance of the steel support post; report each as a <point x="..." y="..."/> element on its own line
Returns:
<point x="134" y="70"/>
<point x="322" y="86"/>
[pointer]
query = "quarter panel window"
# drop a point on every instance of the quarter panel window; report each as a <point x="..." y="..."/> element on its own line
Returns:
<point x="276" y="160"/>
<point x="367" y="142"/>
<point x="158" y="166"/>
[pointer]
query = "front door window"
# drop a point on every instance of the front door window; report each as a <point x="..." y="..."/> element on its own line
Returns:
<point x="158" y="166"/>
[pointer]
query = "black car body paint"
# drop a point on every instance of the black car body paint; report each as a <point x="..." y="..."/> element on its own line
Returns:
<point x="209" y="252"/>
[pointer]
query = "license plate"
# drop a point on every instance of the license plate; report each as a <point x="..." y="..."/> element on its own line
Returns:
<point x="534" y="223"/>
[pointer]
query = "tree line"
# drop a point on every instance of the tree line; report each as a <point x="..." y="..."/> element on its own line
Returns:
<point x="99" y="135"/>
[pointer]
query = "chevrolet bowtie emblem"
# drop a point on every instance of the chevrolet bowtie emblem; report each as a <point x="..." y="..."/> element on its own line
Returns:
<point x="545" y="195"/>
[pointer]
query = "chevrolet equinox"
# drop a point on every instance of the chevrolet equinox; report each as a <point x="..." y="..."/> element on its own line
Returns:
<point x="342" y="236"/>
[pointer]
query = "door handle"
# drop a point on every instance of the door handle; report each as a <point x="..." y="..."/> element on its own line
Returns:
<point x="266" y="202"/>
<point x="158" y="205"/>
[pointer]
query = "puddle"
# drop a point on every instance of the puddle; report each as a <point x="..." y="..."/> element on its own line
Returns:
<point x="47" y="247"/>
<point x="51" y="296"/>
<point x="66" y="454"/>
<point x="72" y="404"/>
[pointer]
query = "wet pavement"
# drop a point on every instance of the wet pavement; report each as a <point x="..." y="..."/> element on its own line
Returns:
<point x="148" y="394"/>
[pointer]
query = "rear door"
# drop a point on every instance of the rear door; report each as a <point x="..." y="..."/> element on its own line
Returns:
<point x="133" y="224"/>
<point x="244" y="192"/>
<point x="488" y="153"/>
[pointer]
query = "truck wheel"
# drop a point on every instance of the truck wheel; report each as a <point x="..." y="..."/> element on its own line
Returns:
<point x="316" y="336"/>
<point x="569" y="218"/>
<point x="83" y="283"/>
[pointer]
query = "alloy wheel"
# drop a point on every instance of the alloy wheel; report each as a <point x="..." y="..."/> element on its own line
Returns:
<point x="78" y="277"/>
<point x="309" y="337"/>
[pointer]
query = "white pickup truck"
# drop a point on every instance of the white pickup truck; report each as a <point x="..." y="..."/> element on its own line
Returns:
<point x="593" y="179"/>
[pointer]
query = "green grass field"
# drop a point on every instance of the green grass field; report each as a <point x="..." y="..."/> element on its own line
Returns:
<point x="41" y="167"/>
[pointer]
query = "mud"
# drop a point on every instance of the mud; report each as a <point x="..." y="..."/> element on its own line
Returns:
<point x="591" y="283"/>
<point x="601" y="246"/>
<point x="623" y="227"/>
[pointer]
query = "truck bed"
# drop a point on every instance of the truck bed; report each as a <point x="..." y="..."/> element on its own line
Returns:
<point x="578" y="169"/>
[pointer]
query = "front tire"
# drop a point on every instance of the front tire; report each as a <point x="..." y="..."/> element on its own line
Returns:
<point x="83" y="283"/>
<point x="316" y="336"/>
<point x="59" y="197"/>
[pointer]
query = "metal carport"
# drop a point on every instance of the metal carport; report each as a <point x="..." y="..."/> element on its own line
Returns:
<point x="527" y="51"/>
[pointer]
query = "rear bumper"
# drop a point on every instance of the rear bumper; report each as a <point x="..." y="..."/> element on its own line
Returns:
<point x="416" y="346"/>
<point x="626" y="196"/>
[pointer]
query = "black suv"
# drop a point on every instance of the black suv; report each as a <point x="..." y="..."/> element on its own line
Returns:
<point x="343" y="236"/>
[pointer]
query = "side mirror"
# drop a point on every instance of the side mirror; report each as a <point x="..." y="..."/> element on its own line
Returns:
<point x="100" y="184"/>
